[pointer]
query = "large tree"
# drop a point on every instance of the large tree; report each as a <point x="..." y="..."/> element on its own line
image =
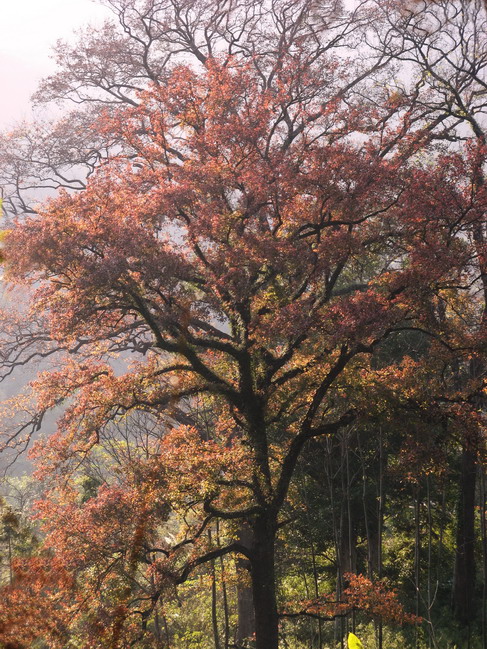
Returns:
<point x="256" y="259"/>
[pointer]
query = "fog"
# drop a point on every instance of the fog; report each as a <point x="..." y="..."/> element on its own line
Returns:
<point x="29" y="28"/>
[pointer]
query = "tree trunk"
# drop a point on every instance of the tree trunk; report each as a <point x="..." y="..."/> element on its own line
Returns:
<point x="245" y="604"/>
<point x="464" y="576"/>
<point x="483" y="531"/>
<point x="380" y="525"/>
<point x="226" y="615"/>
<point x="417" y="558"/>
<point x="317" y="591"/>
<point x="264" y="585"/>
<point x="214" y="607"/>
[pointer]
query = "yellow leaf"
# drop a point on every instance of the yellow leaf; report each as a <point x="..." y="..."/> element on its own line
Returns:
<point x="354" y="642"/>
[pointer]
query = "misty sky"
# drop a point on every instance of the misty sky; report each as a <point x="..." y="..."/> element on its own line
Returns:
<point x="28" y="29"/>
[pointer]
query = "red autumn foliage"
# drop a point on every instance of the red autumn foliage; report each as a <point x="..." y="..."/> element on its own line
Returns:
<point x="373" y="598"/>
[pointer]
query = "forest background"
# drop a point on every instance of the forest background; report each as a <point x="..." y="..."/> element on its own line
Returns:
<point x="256" y="296"/>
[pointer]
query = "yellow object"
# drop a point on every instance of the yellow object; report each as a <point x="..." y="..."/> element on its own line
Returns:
<point x="354" y="642"/>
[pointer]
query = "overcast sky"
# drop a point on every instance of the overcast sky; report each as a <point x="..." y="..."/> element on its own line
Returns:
<point x="28" y="30"/>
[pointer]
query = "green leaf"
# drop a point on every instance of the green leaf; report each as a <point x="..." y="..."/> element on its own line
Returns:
<point x="354" y="642"/>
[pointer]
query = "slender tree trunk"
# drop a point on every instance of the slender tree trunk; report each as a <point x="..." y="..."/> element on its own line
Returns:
<point x="158" y="631"/>
<point x="157" y="622"/>
<point x="380" y="526"/>
<point x="317" y="592"/>
<point x="214" y="607"/>
<point x="429" y="576"/>
<point x="344" y="557"/>
<point x="245" y="605"/>
<point x="309" y="621"/>
<point x="10" y="559"/>
<point x="166" y="631"/>
<point x="338" y="626"/>
<point x="226" y="616"/>
<point x="417" y="556"/>
<point x="371" y="552"/>
<point x="214" y="603"/>
<point x="464" y="575"/>
<point x="264" y="585"/>
<point x="226" y="621"/>
<point x="483" y="529"/>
